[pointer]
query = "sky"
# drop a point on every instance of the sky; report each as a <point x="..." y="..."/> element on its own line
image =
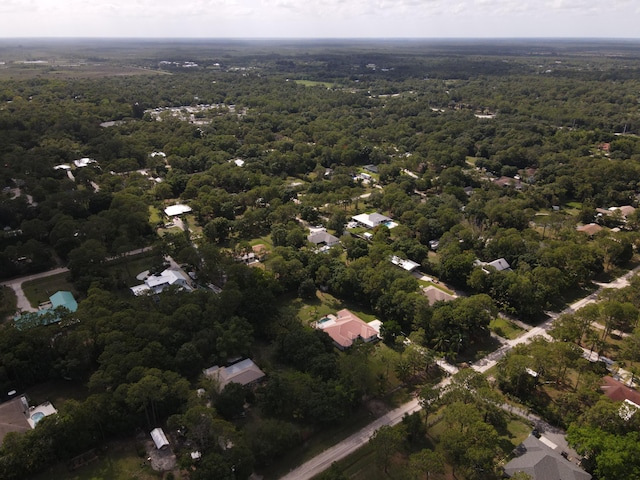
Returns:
<point x="321" y="18"/>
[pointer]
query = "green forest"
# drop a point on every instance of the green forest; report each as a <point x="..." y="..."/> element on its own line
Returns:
<point x="508" y="178"/>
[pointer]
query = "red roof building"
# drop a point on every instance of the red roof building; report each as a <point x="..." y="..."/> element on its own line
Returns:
<point x="346" y="328"/>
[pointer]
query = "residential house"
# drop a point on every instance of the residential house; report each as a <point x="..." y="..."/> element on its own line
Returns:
<point x="408" y="265"/>
<point x="541" y="462"/>
<point x="434" y="295"/>
<point x="16" y="415"/>
<point x="371" y="168"/>
<point x="371" y="220"/>
<point x="158" y="282"/>
<point x="244" y="372"/>
<point x="49" y="313"/>
<point x="619" y="392"/>
<point x="590" y="229"/>
<point x="175" y="210"/>
<point x="500" y="265"/>
<point x="345" y="327"/>
<point x="323" y="240"/>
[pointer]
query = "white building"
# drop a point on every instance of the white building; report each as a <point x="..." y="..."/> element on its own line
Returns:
<point x="174" y="210"/>
<point x="157" y="283"/>
<point x="371" y="220"/>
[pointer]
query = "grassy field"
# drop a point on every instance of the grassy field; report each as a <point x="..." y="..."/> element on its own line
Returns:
<point x="119" y="461"/>
<point x="325" y="303"/>
<point x="154" y="215"/>
<point x="311" y="83"/>
<point x="505" y="328"/>
<point x="17" y="71"/>
<point x="39" y="291"/>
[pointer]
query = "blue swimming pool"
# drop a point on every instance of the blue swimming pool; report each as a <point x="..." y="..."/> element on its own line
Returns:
<point x="36" y="417"/>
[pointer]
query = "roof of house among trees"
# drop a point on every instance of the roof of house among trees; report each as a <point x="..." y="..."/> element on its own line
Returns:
<point x="542" y="463"/>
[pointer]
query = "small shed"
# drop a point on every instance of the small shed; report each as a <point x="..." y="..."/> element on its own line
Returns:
<point x="159" y="438"/>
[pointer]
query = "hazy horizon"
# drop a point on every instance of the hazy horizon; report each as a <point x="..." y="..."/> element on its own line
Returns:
<point x="324" y="19"/>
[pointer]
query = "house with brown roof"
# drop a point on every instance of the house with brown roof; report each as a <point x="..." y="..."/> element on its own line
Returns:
<point x="345" y="327"/>
<point x="590" y="229"/>
<point x="619" y="392"/>
<point x="434" y="295"/>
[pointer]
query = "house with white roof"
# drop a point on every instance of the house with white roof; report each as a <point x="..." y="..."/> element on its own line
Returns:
<point x="500" y="265"/>
<point x="371" y="220"/>
<point x="158" y="282"/>
<point x="175" y="210"/>
<point x="83" y="162"/>
<point x="408" y="265"/>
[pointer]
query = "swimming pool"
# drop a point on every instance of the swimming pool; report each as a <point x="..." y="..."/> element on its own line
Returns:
<point x="37" y="416"/>
<point x="390" y="224"/>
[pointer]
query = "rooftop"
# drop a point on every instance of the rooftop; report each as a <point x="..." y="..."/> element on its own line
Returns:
<point x="245" y="373"/>
<point x="347" y="327"/>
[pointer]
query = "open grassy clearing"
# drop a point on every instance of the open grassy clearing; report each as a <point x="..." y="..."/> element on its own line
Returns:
<point x="69" y="71"/>
<point x="38" y="291"/>
<point x="313" y="83"/>
<point x="119" y="461"/>
<point x="324" y="304"/>
<point x="154" y="216"/>
<point x="505" y="328"/>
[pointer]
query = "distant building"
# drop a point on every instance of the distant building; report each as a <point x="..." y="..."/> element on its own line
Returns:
<point x="346" y="327"/>
<point x="371" y="220"/>
<point x="83" y="162"/>
<point x="175" y="210"/>
<point x="244" y="372"/>
<point x="408" y="265"/>
<point x="323" y="240"/>
<point x="500" y="265"/>
<point x="17" y="416"/>
<point x="50" y="314"/>
<point x="434" y="295"/>
<point x="541" y="462"/>
<point x="157" y="283"/>
<point x="590" y="229"/>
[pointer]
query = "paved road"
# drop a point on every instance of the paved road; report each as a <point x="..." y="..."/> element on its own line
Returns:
<point x="321" y="462"/>
<point x="16" y="285"/>
<point x="339" y="451"/>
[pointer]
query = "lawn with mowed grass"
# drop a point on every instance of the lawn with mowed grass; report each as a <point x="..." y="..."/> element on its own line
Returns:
<point x="38" y="291"/>
<point x="505" y="328"/>
<point x="312" y="83"/>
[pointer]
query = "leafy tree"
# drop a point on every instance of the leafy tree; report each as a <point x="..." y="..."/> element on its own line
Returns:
<point x="386" y="442"/>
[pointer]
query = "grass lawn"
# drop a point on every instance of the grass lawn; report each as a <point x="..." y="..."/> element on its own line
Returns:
<point x="38" y="291"/>
<point x="154" y="216"/>
<point x="312" y="83"/>
<point x="119" y="461"/>
<point x="127" y="268"/>
<point x="505" y="328"/>
<point x="325" y="303"/>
